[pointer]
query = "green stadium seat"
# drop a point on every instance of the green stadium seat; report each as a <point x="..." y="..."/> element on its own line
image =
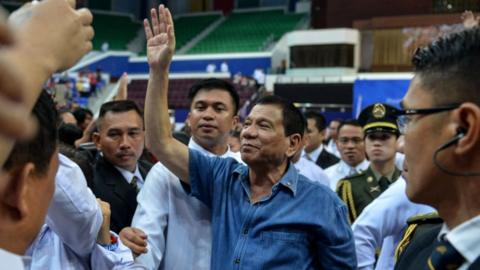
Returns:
<point x="247" y="31"/>
<point x="116" y="29"/>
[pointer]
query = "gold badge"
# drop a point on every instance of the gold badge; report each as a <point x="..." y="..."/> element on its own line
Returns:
<point x="375" y="189"/>
<point x="369" y="179"/>
<point x="378" y="111"/>
<point x="441" y="249"/>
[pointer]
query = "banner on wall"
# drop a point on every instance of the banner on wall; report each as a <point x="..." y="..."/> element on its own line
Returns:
<point x="367" y="92"/>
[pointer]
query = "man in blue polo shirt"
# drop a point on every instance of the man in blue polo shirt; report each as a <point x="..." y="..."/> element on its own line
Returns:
<point x="266" y="215"/>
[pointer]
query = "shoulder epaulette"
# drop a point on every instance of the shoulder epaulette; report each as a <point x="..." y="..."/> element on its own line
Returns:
<point x="413" y="223"/>
<point x="430" y="218"/>
<point x="360" y="174"/>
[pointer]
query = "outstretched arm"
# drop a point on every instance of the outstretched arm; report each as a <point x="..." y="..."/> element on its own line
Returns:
<point x="159" y="139"/>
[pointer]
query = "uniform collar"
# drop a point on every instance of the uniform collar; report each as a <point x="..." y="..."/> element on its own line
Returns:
<point x="378" y="175"/>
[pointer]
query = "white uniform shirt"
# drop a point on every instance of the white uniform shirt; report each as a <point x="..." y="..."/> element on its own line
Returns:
<point x="341" y="170"/>
<point x="68" y="239"/>
<point x="178" y="226"/>
<point x="381" y="224"/>
<point x="312" y="171"/>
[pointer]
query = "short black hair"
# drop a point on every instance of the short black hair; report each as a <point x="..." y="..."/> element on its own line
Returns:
<point x="40" y="149"/>
<point x="118" y="106"/>
<point x="449" y="67"/>
<point x="80" y="114"/>
<point x="320" y="121"/>
<point x="349" y="122"/>
<point x="217" y="84"/>
<point x="69" y="133"/>
<point x="293" y="120"/>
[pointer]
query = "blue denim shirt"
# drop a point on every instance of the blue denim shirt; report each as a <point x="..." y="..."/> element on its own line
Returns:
<point x="300" y="225"/>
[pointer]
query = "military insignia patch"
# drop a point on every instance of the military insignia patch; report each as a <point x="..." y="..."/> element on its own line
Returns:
<point x="378" y="111"/>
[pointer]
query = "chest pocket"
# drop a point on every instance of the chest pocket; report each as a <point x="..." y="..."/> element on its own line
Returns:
<point x="285" y="250"/>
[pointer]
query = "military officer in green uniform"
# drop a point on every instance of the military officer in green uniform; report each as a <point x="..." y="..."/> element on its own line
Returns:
<point x="381" y="134"/>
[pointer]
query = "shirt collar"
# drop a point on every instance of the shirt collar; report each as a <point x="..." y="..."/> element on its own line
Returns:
<point x="192" y="144"/>
<point x="36" y="241"/>
<point x="344" y="167"/>
<point x="315" y="153"/>
<point x="288" y="180"/>
<point x="461" y="238"/>
<point x="128" y="175"/>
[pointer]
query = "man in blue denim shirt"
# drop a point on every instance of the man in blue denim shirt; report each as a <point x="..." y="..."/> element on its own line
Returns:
<point x="266" y="215"/>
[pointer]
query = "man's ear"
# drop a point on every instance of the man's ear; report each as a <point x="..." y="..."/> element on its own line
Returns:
<point x="295" y="141"/>
<point x="235" y="121"/>
<point x="187" y="121"/>
<point x="14" y="192"/>
<point x="467" y="120"/>
<point x="96" y="140"/>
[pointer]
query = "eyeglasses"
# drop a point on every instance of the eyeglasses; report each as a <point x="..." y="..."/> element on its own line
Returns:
<point x="346" y="140"/>
<point x="403" y="119"/>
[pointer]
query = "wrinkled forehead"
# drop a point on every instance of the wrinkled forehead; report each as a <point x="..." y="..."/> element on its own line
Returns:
<point x="266" y="111"/>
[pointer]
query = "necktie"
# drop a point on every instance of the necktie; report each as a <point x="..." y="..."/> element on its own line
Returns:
<point x="134" y="183"/>
<point x="444" y="257"/>
<point x="383" y="183"/>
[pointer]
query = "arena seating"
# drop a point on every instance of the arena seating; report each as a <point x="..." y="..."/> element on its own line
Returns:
<point x="248" y="31"/>
<point x="187" y="27"/>
<point x="178" y="92"/>
<point x="116" y="29"/>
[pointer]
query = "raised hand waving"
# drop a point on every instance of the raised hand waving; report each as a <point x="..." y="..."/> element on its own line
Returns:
<point x="160" y="38"/>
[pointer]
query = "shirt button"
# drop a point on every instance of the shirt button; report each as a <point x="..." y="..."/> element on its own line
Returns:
<point x="237" y="260"/>
<point x="288" y="183"/>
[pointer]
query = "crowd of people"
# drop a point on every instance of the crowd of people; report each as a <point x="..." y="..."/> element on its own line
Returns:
<point x="396" y="188"/>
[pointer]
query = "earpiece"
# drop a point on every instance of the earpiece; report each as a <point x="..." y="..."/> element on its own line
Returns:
<point x="460" y="134"/>
<point x="461" y="130"/>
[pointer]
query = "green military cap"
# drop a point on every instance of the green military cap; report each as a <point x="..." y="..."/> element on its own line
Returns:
<point x="379" y="118"/>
